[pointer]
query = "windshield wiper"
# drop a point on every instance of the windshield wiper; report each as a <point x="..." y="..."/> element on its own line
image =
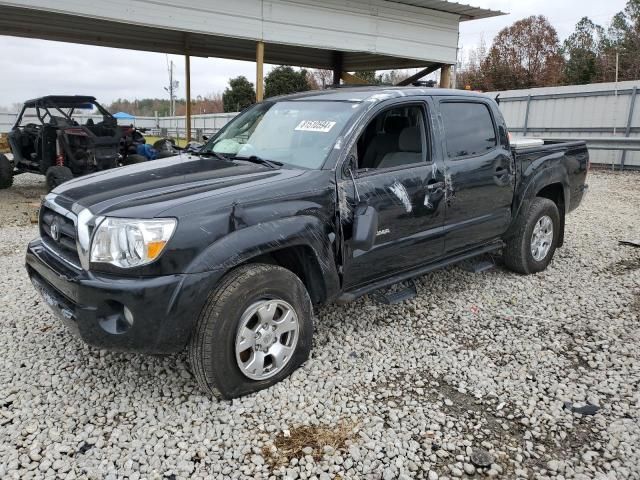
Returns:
<point x="211" y="153"/>
<point x="261" y="161"/>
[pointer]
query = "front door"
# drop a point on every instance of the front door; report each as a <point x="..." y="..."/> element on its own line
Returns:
<point x="405" y="186"/>
<point x="479" y="172"/>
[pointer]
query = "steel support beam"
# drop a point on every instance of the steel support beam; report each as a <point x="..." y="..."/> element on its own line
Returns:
<point x="337" y="68"/>
<point x="549" y="96"/>
<point x="259" y="71"/>
<point x="417" y="76"/>
<point x="602" y="143"/>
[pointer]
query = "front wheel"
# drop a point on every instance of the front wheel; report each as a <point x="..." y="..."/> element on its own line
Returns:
<point x="254" y="331"/>
<point x="531" y="248"/>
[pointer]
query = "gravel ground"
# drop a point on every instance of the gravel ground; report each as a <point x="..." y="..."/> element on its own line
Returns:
<point x="476" y="365"/>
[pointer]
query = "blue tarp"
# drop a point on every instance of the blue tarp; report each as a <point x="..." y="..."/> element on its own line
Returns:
<point x="123" y="116"/>
<point x="147" y="151"/>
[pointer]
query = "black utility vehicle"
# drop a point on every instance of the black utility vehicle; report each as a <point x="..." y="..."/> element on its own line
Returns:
<point x="299" y="200"/>
<point x="47" y="139"/>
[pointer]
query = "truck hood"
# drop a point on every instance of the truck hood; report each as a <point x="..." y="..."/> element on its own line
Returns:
<point x="147" y="189"/>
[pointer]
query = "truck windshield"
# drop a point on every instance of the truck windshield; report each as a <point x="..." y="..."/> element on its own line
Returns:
<point x="297" y="133"/>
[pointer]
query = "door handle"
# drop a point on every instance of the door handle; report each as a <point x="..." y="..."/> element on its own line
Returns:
<point x="435" y="186"/>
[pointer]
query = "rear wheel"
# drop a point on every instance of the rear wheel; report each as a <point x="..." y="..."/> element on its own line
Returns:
<point x="6" y="172"/>
<point x="254" y="331"/>
<point x="532" y="247"/>
<point x="57" y="175"/>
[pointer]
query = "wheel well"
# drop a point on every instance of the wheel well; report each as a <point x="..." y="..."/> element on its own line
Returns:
<point x="302" y="261"/>
<point x="555" y="193"/>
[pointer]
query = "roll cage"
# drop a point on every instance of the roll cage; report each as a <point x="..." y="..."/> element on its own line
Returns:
<point x="65" y="105"/>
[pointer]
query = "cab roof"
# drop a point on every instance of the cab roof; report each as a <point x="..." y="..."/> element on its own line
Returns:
<point x="374" y="93"/>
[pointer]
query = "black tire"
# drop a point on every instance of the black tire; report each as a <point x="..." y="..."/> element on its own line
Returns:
<point x="212" y="350"/>
<point x="133" y="158"/>
<point x="6" y="172"/>
<point x="57" y="175"/>
<point x="517" y="254"/>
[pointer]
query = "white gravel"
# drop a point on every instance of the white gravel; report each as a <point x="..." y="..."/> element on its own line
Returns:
<point x="476" y="364"/>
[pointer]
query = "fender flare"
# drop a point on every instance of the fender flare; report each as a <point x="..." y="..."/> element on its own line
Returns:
<point x="548" y="175"/>
<point x="241" y="245"/>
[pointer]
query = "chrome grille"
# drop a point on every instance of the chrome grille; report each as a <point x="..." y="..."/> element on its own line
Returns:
<point x="58" y="233"/>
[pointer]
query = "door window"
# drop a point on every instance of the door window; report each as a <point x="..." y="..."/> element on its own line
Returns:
<point x="393" y="138"/>
<point x="469" y="129"/>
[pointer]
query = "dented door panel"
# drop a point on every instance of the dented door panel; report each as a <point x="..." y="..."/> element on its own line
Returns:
<point x="410" y="219"/>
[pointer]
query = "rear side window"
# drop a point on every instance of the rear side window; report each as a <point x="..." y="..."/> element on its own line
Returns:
<point x="468" y="128"/>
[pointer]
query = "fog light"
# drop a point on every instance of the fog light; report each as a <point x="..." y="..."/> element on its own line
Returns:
<point x="118" y="321"/>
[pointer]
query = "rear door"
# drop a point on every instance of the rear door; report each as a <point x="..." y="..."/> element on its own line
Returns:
<point x="479" y="172"/>
<point x="402" y="185"/>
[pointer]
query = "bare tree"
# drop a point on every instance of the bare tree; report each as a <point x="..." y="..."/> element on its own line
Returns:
<point x="470" y="75"/>
<point x="319" y="79"/>
<point x="524" y="55"/>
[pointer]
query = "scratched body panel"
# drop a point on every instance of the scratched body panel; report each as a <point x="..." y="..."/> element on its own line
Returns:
<point x="231" y="212"/>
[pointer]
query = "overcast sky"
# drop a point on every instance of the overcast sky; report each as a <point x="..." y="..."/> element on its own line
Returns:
<point x="37" y="67"/>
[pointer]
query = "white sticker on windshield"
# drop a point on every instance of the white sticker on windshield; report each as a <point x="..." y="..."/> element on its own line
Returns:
<point x="322" y="126"/>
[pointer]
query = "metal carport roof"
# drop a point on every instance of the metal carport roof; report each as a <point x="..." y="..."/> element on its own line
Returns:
<point x="375" y="34"/>
<point x="341" y="35"/>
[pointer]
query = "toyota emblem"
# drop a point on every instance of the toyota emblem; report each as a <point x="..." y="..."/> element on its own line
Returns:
<point x="55" y="231"/>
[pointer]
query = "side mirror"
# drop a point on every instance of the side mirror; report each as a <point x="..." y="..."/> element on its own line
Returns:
<point x="365" y="227"/>
<point x="205" y="138"/>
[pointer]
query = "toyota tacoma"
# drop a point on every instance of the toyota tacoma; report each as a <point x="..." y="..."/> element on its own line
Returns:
<point x="298" y="201"/>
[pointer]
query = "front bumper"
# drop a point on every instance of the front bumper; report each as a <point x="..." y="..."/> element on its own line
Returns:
<point x="99" y="307"/>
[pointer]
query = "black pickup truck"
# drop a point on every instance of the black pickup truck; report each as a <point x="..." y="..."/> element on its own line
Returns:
<point x="299" y="200"/>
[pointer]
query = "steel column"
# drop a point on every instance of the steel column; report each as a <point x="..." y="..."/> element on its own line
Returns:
<point x="445" y="76"/>
<point x="337" y="68"/>
<point x="259" y="71"/>
<point x="526" y="117"/>
<point x="187" y="73"/>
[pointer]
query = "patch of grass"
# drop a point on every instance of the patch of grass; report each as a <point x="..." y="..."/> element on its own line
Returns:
<point x="181" y="142"/>
<point x="316" y="437"/>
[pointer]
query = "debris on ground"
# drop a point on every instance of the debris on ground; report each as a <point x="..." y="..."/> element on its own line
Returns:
<point x="315" y="441"/>
<point x="587" y="409"/>
<point x="630" y="243"/>
<point x="481" y="458"/>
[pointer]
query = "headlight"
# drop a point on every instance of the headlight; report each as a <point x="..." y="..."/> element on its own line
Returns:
<point x="126" y="242"/>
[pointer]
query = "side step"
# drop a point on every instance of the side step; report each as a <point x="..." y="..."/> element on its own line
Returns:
<point x="479" y="264"/>
<point x="352" y="295"/>
<point x="397" y="293"/>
